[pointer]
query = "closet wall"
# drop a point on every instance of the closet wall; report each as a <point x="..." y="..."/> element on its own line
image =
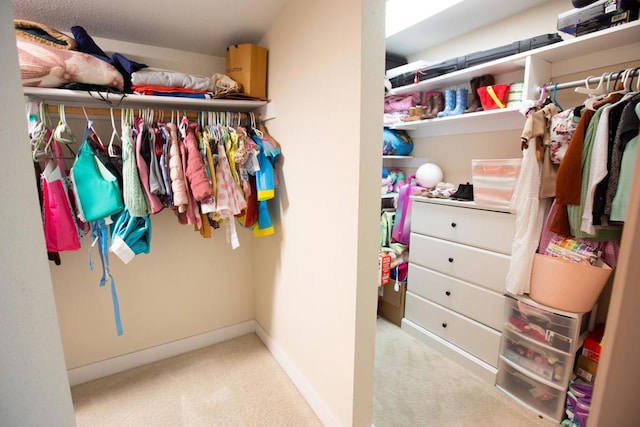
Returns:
<point x="308" y="286"/>
<point x="34" y="388"/>
<point x="313" y="283"/>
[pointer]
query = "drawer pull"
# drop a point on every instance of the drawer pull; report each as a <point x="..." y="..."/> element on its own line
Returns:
<point x="450" y="259"/>
<point x="444" y="324"/>
<point x="453" y="225"/>
<point x="447" y="293"/>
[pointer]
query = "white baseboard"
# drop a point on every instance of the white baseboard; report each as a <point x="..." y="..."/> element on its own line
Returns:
<point x="117" y="364"/>
<point x="302" y="384"/>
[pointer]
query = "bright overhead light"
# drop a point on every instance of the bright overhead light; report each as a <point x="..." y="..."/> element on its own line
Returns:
<point x="402" y="14"/>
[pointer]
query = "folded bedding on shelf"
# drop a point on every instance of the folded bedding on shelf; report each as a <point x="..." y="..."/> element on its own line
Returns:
<point x="42" y="65"/>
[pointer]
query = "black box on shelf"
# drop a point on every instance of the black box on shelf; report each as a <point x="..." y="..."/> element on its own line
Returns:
<point x="597" y="16"/>
<point x="475" y="58"/>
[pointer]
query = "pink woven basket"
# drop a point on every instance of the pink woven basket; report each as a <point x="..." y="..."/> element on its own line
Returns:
<point x="566" y="285"/>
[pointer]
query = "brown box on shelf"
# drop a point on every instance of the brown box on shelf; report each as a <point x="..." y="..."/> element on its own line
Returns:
<point x="247" y="65"/>
<point x="586" y="369"/>
<point x="391" y="303"/>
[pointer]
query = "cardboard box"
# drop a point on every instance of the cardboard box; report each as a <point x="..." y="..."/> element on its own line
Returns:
<point x="391" y="303"/>
<point x="591" y="347"/>
<point x="247" y="65"/>
<point x="384" y="268"/>
<point x="586" y="369"/>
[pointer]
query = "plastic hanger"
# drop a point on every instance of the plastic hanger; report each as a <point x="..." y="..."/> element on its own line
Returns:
<point x="555" y="100"/>
<point x="63" y="132"/>
<point x="596" y="91"/>
<point x="114" y="135"/>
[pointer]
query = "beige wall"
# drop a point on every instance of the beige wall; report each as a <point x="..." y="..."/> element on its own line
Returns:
<point x="315" y="285"/>
<point x="34" y="390"/>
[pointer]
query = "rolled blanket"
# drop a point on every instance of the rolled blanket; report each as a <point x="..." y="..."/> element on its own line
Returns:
<point x="40" y="33"/>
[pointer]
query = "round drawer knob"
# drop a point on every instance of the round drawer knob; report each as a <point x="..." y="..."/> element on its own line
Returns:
<point x="447" y="293"/>
<point x="450" y="259"/>
<point x="453" y="225"/>
<point x="444" y="324"/>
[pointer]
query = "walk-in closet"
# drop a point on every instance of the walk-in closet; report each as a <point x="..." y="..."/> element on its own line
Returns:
<point x="308" y="291"/>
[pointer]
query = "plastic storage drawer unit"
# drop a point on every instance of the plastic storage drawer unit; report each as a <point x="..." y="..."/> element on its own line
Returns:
<point x="539" y="360"/>
<point x="553" y="328"/>
<point x="543" y="399"/>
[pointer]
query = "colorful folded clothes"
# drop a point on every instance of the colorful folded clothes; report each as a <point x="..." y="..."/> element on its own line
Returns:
<point x="573" y="250"/>
<point x="171" y="91"/>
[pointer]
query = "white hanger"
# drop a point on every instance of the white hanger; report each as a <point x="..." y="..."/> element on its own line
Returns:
<point x="596" y="91"/>
<point x="114" y="134"/>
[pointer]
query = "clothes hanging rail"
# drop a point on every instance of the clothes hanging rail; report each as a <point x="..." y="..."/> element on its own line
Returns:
<point x="106" y="100"/>
<point x="590" y="80"/>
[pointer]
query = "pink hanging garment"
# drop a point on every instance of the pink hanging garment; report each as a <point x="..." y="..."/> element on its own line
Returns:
<point x="143" y="169"/>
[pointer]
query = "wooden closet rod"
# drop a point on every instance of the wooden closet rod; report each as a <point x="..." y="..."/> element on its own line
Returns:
<point x="590" y="80"/>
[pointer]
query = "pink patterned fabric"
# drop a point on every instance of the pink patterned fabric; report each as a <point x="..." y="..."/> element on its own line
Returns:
<point x="47" y="66"/>
<point x="229" y="199"/>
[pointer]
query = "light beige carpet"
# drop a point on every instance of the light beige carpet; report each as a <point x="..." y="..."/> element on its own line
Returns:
<point x="234" y="383"/>
<point x="417" y="386"/>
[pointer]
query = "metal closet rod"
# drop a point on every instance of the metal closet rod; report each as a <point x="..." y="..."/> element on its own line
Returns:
<point x="578" y="83"/>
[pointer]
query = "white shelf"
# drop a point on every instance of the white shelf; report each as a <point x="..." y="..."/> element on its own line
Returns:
<point x="596" y="43"/>
<point x="82" y="98"/>
<point x="397" y="157"/>
<point x="482" y="121"/>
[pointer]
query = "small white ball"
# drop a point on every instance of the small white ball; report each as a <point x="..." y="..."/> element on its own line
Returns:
<point x="428" y="175"/>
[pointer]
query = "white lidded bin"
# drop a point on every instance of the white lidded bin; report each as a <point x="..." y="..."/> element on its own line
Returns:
<point x="494" y="180"/>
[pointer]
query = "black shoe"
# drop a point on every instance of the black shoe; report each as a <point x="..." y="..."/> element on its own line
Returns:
<point x="465" y="192"/>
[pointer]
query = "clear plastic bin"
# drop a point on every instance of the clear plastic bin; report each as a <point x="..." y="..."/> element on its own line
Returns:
<point x="560" y="330"/>
<point x="539" y="360"/>
<point x="543" y="399"/>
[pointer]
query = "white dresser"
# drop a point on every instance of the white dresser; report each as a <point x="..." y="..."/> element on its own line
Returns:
<point x="459" y="257"/>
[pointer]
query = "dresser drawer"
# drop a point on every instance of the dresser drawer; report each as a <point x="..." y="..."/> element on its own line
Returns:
<point x="485" y="229"/>
<point x="473" y="337"/>
<point x="465" y="298"/>
<point x="484" y="268"/>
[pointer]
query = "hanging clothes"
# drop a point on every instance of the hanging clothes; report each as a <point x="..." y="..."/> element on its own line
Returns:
<point x="626" y="130"/>
<point x="134" y="197"/>
<point x="537" y="131"/>
<point x="529" y="210"/>
<point x="620" y="201"/>
<point x="142" y="160"/>
<point x="575" y="211"/>
<point x="598" y="170"/>
<point x="176" y="171"/>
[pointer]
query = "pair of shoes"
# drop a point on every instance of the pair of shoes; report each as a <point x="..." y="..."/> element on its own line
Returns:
<point x="434" y="102"/>
<point x="465" y="192"/>
<point x="475" y="83"/>
<point x="442" y="190"/>
<point x="455" y="102"/>
<point x="415" y="113"/>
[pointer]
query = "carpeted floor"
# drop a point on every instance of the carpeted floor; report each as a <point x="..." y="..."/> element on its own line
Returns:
<point x="234" y="383"/>
<point x="417" y="386"/>
<point x="238" y="383"/>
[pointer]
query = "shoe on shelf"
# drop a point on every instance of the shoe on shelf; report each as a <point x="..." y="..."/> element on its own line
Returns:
<point x="449" y="103"/>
